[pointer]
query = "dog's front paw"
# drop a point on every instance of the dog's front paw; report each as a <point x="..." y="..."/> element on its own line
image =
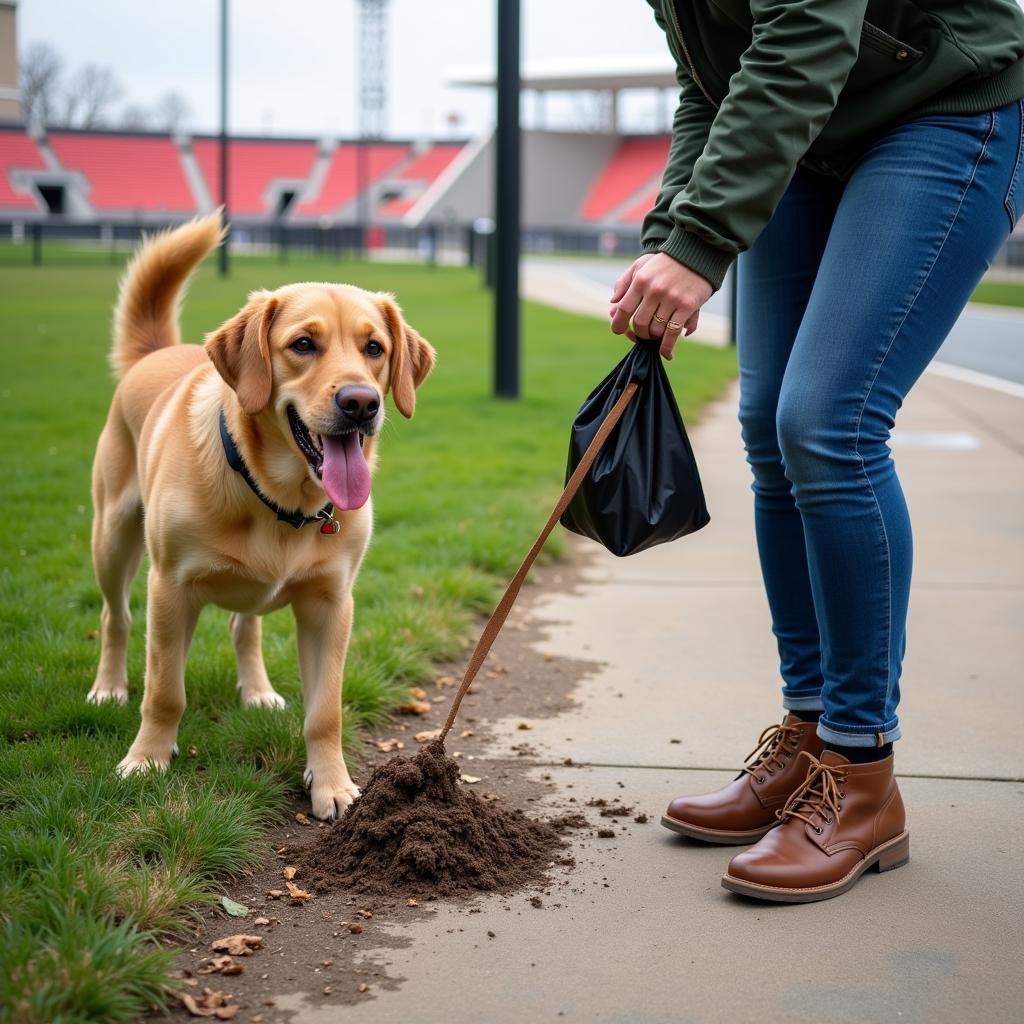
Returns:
<point x="144" y="761"/>
<point x="330" y="798"/>
<point x="262" y="699"/>
<point x="104" y="694"/>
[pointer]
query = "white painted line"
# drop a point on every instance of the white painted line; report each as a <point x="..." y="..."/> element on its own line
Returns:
<point x="982" y="380"/>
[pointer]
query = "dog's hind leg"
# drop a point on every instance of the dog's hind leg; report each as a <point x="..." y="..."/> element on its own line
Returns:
<point x="253" y="681"/>
<point x="171" y="619"/>
<point x="117" y="544"/>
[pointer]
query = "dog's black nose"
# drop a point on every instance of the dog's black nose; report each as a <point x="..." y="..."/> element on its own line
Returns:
<point x="358" y="402"/>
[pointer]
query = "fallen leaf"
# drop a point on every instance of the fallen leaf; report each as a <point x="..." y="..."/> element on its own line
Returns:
<point x="221" y="965"/>
<point x="209" y="1004"/>
<point x="356" y="929"/>
<point x="233" y="908"/>
<point x="427" y="735"/>
<point x="366" y="914"/>
<point x="470" y="779"/>
<point x="524" y="725"/>
<point x="275" y="894"/>
<point x="262" y="920"/>
<point x="302" y="819"/>
<point x="288" y="873"/>
<point x="444" y="681"/>
<point x="419" y="693"/>
<point x="363" y="987"/>
<point x="414" y="707"/>
<point x="296" y="893"/>
<point x="411" y="903"/>
<point x="389" y="746"/>
<point x="237" y="945"/>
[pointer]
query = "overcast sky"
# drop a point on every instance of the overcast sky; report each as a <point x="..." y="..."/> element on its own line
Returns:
<point x="294" y="63"/>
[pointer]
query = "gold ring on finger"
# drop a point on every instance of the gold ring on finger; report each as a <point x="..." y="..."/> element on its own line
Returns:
<point x="673" y="326"/>
<point x="659" y="319"/>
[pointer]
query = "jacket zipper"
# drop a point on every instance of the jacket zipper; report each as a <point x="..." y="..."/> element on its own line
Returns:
<point x="671" y="7"/>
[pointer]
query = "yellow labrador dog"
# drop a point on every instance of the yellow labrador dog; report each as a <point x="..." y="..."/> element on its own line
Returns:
<point x="245" y="468"/>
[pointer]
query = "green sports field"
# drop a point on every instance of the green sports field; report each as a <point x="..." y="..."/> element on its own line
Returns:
<point x="98" y="875"/>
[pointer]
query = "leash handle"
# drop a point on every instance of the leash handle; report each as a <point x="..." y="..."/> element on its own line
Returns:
<point x="508" y="599"/>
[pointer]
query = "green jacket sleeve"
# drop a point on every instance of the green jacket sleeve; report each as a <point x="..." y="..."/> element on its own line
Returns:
<point x="787" y="86"/>
<point x="690" y="127"/>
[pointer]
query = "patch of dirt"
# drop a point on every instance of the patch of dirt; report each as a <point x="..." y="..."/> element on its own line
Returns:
<point x="334" y="945"/>
<point x="418" y="829"/>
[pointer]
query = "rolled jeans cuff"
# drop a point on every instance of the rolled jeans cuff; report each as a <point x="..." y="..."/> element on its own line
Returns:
<point x="889" y="732"/>
<point x="801" y="702"/>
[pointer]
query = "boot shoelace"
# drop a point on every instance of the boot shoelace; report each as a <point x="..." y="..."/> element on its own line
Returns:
<point x="775" y="746"/>
<point x="821" y="794"/>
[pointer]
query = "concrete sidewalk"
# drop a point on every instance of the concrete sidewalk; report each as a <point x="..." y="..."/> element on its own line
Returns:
<point x="643" y="930"/>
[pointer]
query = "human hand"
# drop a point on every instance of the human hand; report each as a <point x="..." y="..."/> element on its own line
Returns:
<point x="658" y="297"/>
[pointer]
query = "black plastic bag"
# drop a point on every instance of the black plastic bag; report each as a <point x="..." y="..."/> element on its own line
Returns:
<point x="643" y="488"/>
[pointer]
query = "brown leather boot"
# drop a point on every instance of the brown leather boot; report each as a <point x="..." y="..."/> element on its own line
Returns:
<point x="744" y="810"/>
<point x="844" y="819"/>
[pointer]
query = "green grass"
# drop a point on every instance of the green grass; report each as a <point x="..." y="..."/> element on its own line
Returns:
<point x="99" y="875"/>
<point x="1000" y="293"/>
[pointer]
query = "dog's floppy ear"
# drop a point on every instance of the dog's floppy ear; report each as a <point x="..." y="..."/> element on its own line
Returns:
<point x="412" y="357"/>
<point x="240" y="349"/>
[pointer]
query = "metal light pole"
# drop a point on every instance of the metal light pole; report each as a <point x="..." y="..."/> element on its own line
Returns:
<point x="373" y="102"/>
<point x="223" y="259"/>
<point x="506" y="205"/>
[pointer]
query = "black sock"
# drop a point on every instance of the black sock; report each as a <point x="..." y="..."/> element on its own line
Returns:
<point x="810" y="715"/>
<point x="862" y="755"/>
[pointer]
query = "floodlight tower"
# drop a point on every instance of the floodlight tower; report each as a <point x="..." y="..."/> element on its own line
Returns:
<point x="372" y="69"/>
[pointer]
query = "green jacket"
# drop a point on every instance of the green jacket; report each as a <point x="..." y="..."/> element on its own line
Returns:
<point x="770" y="84"/>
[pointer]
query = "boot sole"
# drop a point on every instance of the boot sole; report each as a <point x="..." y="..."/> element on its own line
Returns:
<point x="714" y="835"/>
<point x="890" y="855"/>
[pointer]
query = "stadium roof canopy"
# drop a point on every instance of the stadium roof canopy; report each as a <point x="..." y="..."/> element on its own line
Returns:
<point x="583" y="74"/>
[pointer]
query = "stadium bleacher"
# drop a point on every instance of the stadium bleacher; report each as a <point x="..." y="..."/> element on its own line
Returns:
<point x="341" y="183"/>
<point x="149" y="177"/>
<point x="18" y="152"/>
<point x="126" y="173"/>
<point x="417" y="176"/>
<point x="253" y="164"/>
<point x="636" y="164"/>
<point x="635" y="214"/>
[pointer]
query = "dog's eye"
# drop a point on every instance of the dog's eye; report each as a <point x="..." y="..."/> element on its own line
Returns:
<point x="374" y="348"/>
<point x="303" y="345"/>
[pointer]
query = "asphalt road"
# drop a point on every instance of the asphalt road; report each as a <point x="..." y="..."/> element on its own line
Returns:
<point x="986" y="339"/>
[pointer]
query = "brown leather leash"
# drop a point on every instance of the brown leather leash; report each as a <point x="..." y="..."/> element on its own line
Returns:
<point x="508" y="599"/>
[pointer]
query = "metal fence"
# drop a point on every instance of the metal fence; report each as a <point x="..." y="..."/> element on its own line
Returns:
<point x="56" y="241"/>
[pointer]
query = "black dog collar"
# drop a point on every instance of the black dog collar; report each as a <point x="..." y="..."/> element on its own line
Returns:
<point x="325" y="517"/>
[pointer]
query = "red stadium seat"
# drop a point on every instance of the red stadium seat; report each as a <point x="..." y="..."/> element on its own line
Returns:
<point x="18" y="152"/>
<point x="252" y="165"/>
<point x="635" y="214"/>
<point x="636" y="163"/>
<point x="421" y="173"/>
<point x="340" y="186"/>
<point x="127" y="173"/>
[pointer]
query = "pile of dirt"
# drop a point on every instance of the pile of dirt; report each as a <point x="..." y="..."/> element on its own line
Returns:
<point x="416" y="831"/>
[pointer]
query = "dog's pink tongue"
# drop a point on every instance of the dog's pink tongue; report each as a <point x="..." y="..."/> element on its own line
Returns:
<point x="345" y="475"/>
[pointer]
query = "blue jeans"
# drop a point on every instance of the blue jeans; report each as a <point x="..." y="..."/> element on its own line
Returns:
<point x="843" y="300"/>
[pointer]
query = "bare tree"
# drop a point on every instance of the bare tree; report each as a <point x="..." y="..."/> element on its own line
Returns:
<point x="41" y="68"/>
<point x="170" y="112"/>
<point x="89" y="96"/>
<point x="136" y="118"/>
